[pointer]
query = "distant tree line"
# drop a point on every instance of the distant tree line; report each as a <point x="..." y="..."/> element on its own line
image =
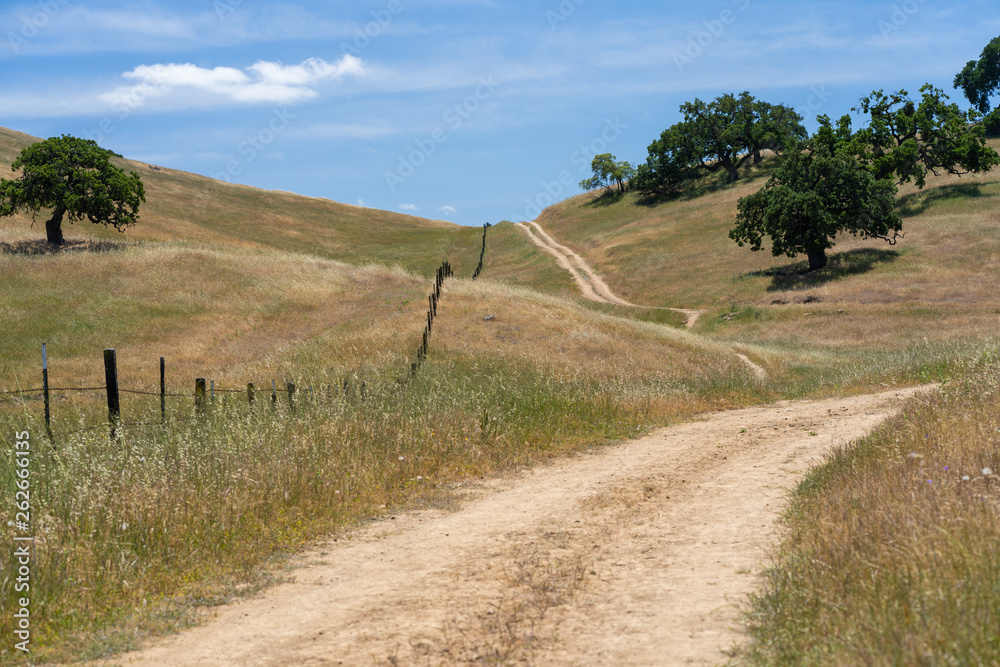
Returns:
<point x="840" y="179"/>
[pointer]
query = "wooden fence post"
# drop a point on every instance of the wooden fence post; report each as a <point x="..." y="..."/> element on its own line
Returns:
<point x="111" y="383"/>
<point x="163" y="391"/>
<point x="274" y="395"/>
<point x="45" y="391"/>
<point x="199" y="395"/>
<point x="250" y="394"/>
<point x="291" y="396"/>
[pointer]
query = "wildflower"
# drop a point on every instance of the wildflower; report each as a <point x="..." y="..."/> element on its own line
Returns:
<point x="987" y="471"/>
<point x="965" y="478"/>
<point x="401" y="458"/>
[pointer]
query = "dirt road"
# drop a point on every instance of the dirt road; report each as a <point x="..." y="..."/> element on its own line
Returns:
<point x="632" y="554"/>
<point x="591" y="285"/>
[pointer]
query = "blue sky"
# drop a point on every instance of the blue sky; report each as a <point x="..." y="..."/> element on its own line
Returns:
<point x="465" y="110"/>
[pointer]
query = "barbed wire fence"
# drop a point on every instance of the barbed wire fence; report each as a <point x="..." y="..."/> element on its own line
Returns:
<point x="205" y="390"/>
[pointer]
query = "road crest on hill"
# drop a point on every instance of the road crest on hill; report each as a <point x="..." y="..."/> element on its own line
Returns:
<point x="638" y="553"/>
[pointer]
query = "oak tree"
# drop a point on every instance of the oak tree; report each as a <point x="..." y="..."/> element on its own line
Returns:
<point x="608" y="173"/>
<point x="813" y="196"/>
<point x="75" y="178"/>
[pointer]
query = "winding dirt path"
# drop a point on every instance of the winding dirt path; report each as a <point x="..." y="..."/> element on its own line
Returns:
<point x="633" y="554"/>
<point x="591" y="285"/>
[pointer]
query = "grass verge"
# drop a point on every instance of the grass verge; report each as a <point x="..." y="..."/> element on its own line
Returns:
<point x="135" y="536"/>
<point x="891" y="555"/>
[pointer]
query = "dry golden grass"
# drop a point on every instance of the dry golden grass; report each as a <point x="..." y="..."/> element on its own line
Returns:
<point x="891" y="556"/>
<point x="224" y="314"/>
<point x="155" y="527"/>
<point x="940" y="282"/>
<point x="181" y="206"/>
<point x="236" y="284"/>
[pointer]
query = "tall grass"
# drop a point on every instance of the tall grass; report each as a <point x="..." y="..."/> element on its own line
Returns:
<point x="131" y="535"/>
<point x="892" y="556"/>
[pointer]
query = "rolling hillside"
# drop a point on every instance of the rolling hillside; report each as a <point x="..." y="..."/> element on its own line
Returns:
<point x="181" y="206"/>
<point x="240" y="285"/>
<point x="872" y="295"/>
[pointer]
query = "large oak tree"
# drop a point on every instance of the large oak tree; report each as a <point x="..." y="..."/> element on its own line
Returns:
<point x="811" y="198"/>
<point x="75" y="179"/>
<point x="842" y="181"/>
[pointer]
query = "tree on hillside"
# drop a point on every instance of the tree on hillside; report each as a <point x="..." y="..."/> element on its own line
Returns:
<point x="845" y="181"/>
<point x="664" y="170"/>
<point x="774" y="128"/>
<point x="75" y="178"/>
<point x="980" y="80"/>
<point x="813" y="196"/>
<point x="722" y="135"/>
<point x="717" y="135"/>
<point x="608" y="173"/>
<point x="905" y="140"/>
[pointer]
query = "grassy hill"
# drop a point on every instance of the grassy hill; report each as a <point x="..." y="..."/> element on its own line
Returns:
<point x="937" y="287"/>
<point x="240" y="285"/>
<point x="181" y="206"/>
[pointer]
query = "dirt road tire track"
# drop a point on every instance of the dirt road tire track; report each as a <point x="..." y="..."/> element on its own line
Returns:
<point x="669" y="529"/>
<point x="591" y="285"/>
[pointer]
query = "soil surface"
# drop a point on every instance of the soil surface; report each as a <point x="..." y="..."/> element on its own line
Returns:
<point x="639" y="553"/>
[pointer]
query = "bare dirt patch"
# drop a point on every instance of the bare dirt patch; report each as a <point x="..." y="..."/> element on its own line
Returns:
<point x="634" y="554"/>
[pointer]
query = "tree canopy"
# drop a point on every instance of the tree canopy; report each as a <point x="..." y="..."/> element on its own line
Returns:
<point x="722" y="135"/>
<point x="845" y="181"/>
<point x="75" y="178"/>
<point x="980" y="79"/>
<point x="811" y="198"/>
<point x="608" y="173"/>
<point x="905" y="140"/>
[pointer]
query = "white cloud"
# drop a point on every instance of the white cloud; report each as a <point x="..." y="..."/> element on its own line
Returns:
<point x="185" y="85"/>
<point x="408" y="207"/>
<point x="448" y="210"/>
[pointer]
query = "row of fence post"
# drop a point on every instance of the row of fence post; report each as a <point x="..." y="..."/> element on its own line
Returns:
<point x="444" y="271"/>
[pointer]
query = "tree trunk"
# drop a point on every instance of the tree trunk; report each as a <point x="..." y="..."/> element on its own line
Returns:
<point x="53" y="227"/>
<point x="757" y="157"/>
<point x="734" y="172"/>
<point x="817" y="258"/>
